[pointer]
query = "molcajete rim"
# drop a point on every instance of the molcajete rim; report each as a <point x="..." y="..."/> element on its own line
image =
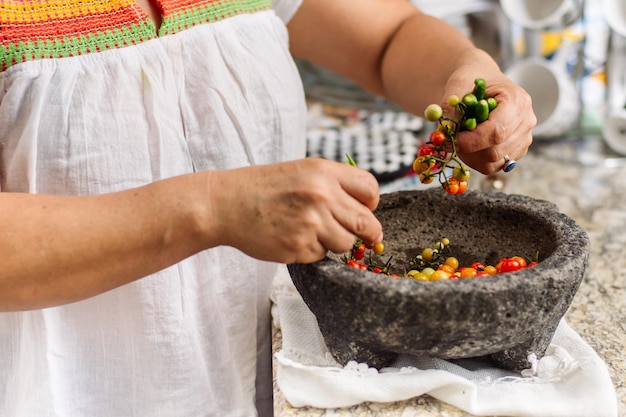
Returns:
<point x="503" y="317"/>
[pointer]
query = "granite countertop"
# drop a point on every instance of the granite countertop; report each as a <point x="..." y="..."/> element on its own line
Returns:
<point x="587" y="184"/>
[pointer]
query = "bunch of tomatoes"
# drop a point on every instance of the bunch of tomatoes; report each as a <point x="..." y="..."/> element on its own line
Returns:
<point x="436" y="263"/>
<point x="433" y="264"/>
<point x="356" y="258"/>
<point x="438" y="157"/>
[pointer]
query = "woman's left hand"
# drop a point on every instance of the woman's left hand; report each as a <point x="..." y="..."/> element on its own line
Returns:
<point x="507" y="132"/>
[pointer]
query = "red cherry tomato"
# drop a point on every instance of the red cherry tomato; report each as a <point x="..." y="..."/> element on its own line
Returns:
<point x="452" y="186"/>
<point x="437" y="138"/>
<point x="426" y="150"/>
<point x="522" y="261"/>
<point x="510" y="265"/>
<point x="478" y="266"/>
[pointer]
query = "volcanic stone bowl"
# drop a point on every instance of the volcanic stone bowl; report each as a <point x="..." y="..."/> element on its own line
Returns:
<point x="371" y="318"/>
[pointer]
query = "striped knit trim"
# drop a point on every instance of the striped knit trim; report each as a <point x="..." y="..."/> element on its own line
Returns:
<point x="47" y="29"/>
<point x="183" y="14"/>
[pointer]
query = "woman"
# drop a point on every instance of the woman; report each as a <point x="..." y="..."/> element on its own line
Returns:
<point x="153" y="179"/>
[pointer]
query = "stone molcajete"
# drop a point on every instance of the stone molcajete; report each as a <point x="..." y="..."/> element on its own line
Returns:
<point x="371" y="318"/>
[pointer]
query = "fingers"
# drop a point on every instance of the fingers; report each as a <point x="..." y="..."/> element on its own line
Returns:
<point x="508" y="131"/>
<point x="354" y="198"/>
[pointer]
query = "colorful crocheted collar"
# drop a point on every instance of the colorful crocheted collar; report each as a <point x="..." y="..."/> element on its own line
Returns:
<point x="44" y="29"/>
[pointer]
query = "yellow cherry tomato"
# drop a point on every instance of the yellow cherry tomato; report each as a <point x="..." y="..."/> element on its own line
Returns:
<point x="439" y="275"/>
<point x="453" y="262"/>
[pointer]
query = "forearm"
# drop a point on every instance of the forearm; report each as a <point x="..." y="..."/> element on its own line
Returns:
<point x="59" y="249"/>
<point x="388" y="47"/>
<point x="413" y="61"/>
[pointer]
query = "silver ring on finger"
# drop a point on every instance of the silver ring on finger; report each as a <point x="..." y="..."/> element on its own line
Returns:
<point x="509" y="164"/>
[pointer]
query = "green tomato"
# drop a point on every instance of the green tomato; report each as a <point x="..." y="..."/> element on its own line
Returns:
<point x="433" y="112"/>
<point x="480" y="85"/>
<point x="470" y="101"/>
<point x="470" y="124"/>
<point x="482" y="111"/>
<point x="453" y="100"/>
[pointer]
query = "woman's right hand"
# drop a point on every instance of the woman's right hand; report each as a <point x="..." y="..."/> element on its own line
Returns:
<point x="295" y="211"/>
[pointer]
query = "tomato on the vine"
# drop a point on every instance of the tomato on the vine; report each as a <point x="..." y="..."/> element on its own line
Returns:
<point x="425" y="150"/>
<point x="454" y="186"/>
<point x="423" y="163"/>
<point x="461" y="173"/>
<point x="437" y="138"/>
<point x="433" y="112"/>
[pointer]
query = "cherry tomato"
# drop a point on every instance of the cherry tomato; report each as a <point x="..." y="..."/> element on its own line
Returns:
<point x="423" y="163"/>
<point x="437" y="138"/>
<point x="510" y="265"/>
<point x="478" y="266"/>
<point x="447" y="268"/>
<point x="358" y="252"/>
<point x="470" y="124"/>
<point x="439" y="275"/>
<point x="452" y="186"/>
<point x="468" y="272"/>
<point x="480" y="85"/>
<point x="427" y="253"/>
<point x="491" y="270"/>
<point x="482" y="111"/>
<point x="433" y="112"/>
<point x="378" y="248"/>
<point x="427" y="177"/>
<point x="470" y="100"/>
<point x="462" y="187"/>
<point x="453" y="262"/>
<point x="499" y="265"/>
<point x="453" y="100"/>
<point x="352" y="263"/>
<point x="522" y="262"/>
<point x="461" y="173"/>
<point x="425" y="150"/>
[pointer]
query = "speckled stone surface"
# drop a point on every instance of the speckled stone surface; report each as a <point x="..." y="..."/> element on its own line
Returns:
<point x="587" y="184"/>
<point x="372" y="318"/>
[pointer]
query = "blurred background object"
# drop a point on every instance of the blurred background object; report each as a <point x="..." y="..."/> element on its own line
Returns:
<point x="614" y="128"/>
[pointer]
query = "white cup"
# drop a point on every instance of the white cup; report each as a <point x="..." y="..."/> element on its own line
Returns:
<point x="614" y="128"/>
<point x="614" y="131"/>
<point x="615" y="14"/>
<point x="555" y="96"/>
<point x="543" y="14"/>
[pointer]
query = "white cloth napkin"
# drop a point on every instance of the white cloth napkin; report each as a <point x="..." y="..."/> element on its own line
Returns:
<point x="569" y="381"/>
